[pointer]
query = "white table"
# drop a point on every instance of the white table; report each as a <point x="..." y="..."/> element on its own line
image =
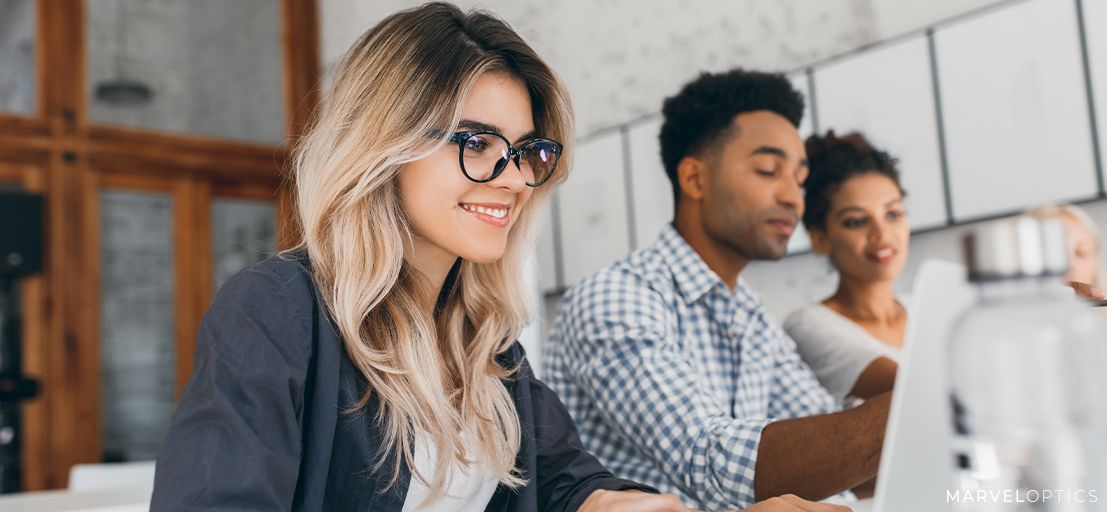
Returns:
<point x="111" y="500"/>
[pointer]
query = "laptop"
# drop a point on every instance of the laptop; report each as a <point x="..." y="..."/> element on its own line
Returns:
<point x="916" y="463"/>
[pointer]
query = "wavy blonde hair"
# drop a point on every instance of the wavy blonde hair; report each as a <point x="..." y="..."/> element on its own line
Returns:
<point x="1078" y="215"/>
<point x="434" y="372"/>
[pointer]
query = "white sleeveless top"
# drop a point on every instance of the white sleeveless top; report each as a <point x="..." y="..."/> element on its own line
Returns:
<point x="835" y="348"/>
<point x="467" y="489"/>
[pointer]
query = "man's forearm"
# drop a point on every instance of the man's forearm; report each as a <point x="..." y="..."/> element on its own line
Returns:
<point x="819" y="456"/>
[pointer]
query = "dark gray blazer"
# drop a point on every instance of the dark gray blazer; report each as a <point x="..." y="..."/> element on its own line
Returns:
<point x="259" y="425"/>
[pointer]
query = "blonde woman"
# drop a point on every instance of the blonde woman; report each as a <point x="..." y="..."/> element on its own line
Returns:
<point x="1083" y="247"/>
<point x="374" y="367"/>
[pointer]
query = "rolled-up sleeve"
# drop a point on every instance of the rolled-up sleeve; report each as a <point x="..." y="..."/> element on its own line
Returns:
<point x="630" y="362"/>
<point x="235" y="439"/>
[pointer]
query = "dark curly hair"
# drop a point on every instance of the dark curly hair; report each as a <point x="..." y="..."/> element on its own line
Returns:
<point x="831" y="161"/>
<point x="702" y="113"/>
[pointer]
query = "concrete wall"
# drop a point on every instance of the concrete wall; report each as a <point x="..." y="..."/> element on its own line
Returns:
<point x="621" y="58"/>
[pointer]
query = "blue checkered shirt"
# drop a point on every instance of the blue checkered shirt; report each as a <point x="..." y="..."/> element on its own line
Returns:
<point x="671" y="377"/>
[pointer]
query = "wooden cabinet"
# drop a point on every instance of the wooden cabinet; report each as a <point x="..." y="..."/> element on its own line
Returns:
<point x="142" y="226"/>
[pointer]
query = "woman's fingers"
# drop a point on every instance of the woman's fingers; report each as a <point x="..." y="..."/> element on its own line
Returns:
<point x="802" y="505"/>
<point x="630" y="501"/>
<point x="777" y="504"/>
<point x="793" y="503"/>
<point x="1087" y="291"/>
<point x="637" y="501"/>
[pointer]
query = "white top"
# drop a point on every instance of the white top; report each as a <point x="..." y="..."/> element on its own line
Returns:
<point x="836" y="348"/>
<point x="467" y="489"/>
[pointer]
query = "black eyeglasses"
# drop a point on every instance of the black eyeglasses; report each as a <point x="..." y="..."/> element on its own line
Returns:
<point x="484" y="156"/>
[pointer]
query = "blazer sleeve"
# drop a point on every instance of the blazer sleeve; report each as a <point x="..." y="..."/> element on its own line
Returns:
<point x="234" y="441"/>
<point x="566" y="473"/>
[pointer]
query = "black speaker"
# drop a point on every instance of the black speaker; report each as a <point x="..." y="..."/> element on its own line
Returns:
<point x="20" y="234"/>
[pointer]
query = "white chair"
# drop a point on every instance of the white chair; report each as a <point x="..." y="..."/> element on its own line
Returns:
<point x="95" y="477"/>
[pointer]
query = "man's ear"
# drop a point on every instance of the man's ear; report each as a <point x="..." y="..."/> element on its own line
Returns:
<point x="819" y="242"/>
<point x="692" y="176"/>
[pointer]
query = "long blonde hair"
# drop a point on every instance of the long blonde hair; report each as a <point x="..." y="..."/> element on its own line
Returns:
<point x="433" y="372"/>
<point x="1076" y="214"/>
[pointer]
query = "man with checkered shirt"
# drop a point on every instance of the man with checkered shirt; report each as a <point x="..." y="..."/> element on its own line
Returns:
<point x="672" y="369"/>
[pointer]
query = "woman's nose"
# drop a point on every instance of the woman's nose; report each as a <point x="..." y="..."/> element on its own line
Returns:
<point x="511" y="178"/>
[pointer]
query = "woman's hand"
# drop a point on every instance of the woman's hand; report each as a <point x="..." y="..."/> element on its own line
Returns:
<point x="622" y="501"/>
<point x="627" y="501"/>
<point x="793" y="503"/>
<point x="1087" y="291"/>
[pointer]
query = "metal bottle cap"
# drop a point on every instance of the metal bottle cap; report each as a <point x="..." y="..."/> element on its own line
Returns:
<point x="1016" y="247"/>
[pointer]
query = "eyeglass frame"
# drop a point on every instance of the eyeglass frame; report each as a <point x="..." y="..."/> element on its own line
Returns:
<point x="513" y="155"/>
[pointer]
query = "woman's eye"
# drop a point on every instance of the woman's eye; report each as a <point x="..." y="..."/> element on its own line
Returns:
<point x="766" y="172"/>
<point x="896" y="215"/>
<point x="475" y="144"/>
<point x="853" y="223"/>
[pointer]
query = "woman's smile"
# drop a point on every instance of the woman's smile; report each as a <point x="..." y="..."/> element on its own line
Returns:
<point x="495" y="214"/>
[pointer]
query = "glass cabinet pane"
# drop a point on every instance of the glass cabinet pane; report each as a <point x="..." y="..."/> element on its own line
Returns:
<point x="243" y="233"/>
<point x="17" y="56"/>
<point x="136" y="322"/>
<point x="207" y="67"/>
<point x="11" y="312"/>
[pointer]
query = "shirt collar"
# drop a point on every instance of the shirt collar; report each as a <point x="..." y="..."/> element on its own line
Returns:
<point x="692" y="275"/>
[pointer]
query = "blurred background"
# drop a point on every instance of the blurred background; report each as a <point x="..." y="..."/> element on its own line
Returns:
<point x="156" y="134"/>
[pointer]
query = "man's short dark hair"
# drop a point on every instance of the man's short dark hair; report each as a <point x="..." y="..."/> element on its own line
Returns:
<point x="701" y="114"/>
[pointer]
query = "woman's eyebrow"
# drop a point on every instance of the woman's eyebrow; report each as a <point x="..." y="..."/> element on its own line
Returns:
<point x="480" y="126"/>
<point x="849" y="209"/>
<point x="470" y="124"/>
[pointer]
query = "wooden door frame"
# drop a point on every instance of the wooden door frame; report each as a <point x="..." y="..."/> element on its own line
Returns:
<point x="72" y="158"/>
<point x="34" y="302"/>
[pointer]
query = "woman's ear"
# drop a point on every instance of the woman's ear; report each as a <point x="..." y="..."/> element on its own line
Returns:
<point x="819" y="243"/>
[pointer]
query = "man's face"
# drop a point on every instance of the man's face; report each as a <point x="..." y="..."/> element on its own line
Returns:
<point x="753" y="196"/>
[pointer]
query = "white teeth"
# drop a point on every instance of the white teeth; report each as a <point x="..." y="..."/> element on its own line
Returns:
<point x="884" y="253"/>
<point x="498" y="213"/>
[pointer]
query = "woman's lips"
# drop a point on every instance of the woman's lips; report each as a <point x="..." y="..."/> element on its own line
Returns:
<point x="883" y="255"/>
<point x="494" y="214"/>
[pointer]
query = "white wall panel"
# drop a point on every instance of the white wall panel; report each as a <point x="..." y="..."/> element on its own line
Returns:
<point x="653" y="195"/>
<point x="1015" y="108"/>
<point x="1095" y="28"/>
<point x="887" y="94"/>
<point x="593" y="209"/>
